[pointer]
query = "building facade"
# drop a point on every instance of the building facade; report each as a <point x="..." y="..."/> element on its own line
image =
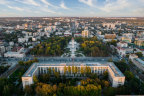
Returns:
<point x="116" y="77"/>
<point x="85" y="33"/>
<point x="139" y="63"/>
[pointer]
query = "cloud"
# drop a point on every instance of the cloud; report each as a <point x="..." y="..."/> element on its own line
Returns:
<point x="88" y="2"/>
<point x="92" y="12"/>
<point x="47" y="3"/>
<point x="3" y="2"/>
<point x="62" y="5"/>
<point x="93" y="7"/>
<point x="29" y="2"/>
<point x="114" y="6"/>
<point x="141" y="1"/>
<point x="139" y="11"/>
<point x="9" y="14"/>
<point x="42" y="8"/>
<point x="36" y="12"/>
<point x="48" y="10"/>
<point x="16" y="8"/>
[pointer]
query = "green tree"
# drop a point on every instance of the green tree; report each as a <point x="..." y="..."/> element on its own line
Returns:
<point x="21" y="63"/>
<point x="30" y="39"/>
<point x="139" y="54"/>
<point x="105" y="75"/>
<point x="129" y="75"/>
<point x="113" y="42"/>
<point x="45" y="77"/>
<point x="6" y="90"/>
<point x="109" y="91"/>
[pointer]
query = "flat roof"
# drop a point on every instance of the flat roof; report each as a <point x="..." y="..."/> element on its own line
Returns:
<point x="140" y="61"/>
<point x="89" y="62"/>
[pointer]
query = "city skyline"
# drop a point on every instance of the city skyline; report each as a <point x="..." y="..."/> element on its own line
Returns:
<point x="81" y="8"/>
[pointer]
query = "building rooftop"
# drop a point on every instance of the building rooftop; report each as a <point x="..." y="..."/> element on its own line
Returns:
<point x="77" y="62"/>
<point x="140" y="61"/>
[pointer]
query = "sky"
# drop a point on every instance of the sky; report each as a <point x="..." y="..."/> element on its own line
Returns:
<point x="72" y="8"/>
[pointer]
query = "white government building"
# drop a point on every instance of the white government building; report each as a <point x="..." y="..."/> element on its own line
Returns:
<point x="116" y="77"/>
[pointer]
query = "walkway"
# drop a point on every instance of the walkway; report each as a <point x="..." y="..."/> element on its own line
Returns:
<point x="73" y="46"/>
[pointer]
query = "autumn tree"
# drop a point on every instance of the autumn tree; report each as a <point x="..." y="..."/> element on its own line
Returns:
<point x="28" y="90"/>
<point x="35" y="79"/>
<point x="69" y="69"/>
<point x="82" y="70"/>
<point x="65" y="70"/>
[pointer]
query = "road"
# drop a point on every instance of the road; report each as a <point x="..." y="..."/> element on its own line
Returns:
<point x="9" y="72"/>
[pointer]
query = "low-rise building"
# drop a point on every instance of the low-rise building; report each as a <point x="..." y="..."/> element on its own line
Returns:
<point x="139" y="42"/>
<point x="109" y="25"/>
<point x="126" y="39"/>
<point x="18" y="53"/>
<point x="128" y="35"/>
<point x="124" y="51"/>
<point x="22" y="40"/>
<point x="116" y="77"/>
<point x="77" y="35"/>
<point x="67" y="33"/>
<point x="85" y="33"/>
<point x="110" y="36"/>
<point x="122" y="44"/>
<point x="137" y="61"/>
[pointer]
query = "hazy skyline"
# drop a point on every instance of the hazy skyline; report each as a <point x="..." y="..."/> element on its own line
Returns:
<point x="104" y="8"/>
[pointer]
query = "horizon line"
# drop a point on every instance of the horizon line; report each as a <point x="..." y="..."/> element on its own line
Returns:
<point x="72" y="16"/>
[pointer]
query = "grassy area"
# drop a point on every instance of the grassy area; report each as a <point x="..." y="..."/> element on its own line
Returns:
<point x="15" y="77"/>
<point x="3" y="69"/>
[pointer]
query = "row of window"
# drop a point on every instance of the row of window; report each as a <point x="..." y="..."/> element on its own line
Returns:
<point x="57" y="69"/>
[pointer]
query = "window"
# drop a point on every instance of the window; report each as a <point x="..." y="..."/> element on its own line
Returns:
<point x="26" y="82"/>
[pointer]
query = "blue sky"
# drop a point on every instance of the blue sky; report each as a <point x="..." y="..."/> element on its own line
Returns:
<point x="86" y="8"/>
